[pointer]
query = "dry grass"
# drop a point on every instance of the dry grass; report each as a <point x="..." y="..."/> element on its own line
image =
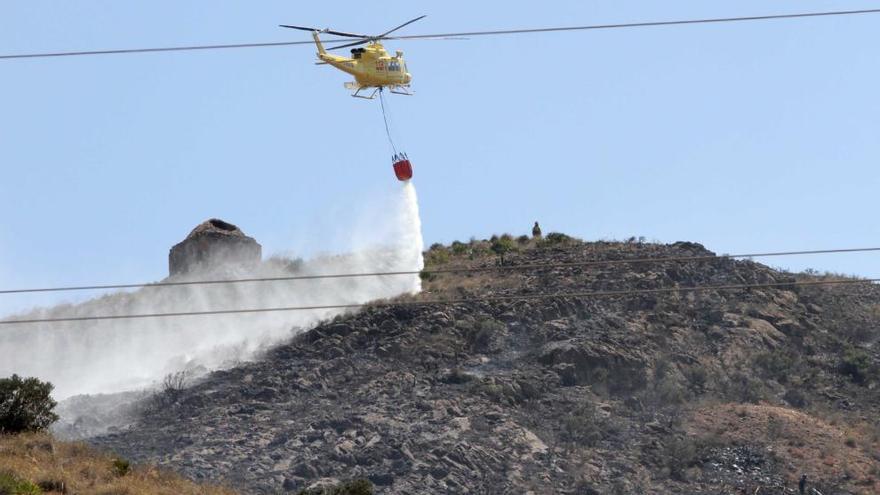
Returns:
<point x="457" y="284"/>
<point x="477" y="254"/>
<point x="843" y="452"/>
<point x="454" y="285"/>
<point x="809" y="273"/>
<point x="67" y="467"/>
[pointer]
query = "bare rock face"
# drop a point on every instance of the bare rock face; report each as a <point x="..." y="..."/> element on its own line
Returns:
<point x="211" y="245"/>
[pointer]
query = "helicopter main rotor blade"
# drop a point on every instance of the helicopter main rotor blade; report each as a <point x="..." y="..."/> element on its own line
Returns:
<point x="349" y="35"/>
<point x="301" y="28"/>
<point x="328" y="31"/>
<point x="386" y="33"/>
<point x="356" y="43"/>
<point x="364" y="39"/>
<point x="428" y="38"/>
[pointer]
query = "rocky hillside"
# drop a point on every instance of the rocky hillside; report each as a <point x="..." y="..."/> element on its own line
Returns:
<point x="687" y="392"/>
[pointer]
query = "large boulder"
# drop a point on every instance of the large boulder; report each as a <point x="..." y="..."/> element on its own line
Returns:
<point x="212" y="245"/>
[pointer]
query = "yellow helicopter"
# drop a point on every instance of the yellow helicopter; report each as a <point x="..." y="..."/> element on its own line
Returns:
<point x="372" y="66"/>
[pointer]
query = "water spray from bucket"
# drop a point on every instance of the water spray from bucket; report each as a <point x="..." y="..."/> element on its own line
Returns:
<point x="119" y="355"/>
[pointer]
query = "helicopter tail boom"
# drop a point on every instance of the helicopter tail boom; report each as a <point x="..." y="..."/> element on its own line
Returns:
<point x="321" y="50"/>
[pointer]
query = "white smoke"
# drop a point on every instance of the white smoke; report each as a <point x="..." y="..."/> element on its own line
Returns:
<point x="110" y="356"/>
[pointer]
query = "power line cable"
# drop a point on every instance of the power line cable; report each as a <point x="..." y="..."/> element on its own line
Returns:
<point x="453" y="35"/>
<point x="648" y="24"/>
<point x="151" y="50"/>
<point x="606" y="293"/>
<point x="529" y="266"/>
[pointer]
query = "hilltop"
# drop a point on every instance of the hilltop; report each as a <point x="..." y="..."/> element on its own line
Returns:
<point x="682" y="392"/>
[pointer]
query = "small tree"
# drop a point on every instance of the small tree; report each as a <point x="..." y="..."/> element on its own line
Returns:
<point x="502" y="245"/>
<point x="25" y="405"/>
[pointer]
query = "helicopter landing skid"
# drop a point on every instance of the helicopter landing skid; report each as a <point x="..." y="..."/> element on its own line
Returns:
<point x="372" y="95"/>
<point x="400" y="90"/>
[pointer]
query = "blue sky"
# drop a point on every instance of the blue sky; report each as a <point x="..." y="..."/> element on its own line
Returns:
<point x="744" y="137"/>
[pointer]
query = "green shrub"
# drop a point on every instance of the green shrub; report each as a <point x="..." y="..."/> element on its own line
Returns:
<point x="25" y="405"/>
<point x="52" y="486"/>
<point x="10" y="485"/>
<point x="502" y="245"/>
<point x="697" y="376"/>
<point x="598" y="377"/>
<point x="856" y="363"/>
<point x="584" y="426"/>
<point x="459" y="248"/>
<point x="679" y="453"/>
<point x="667" y="392"/>
<point x="740" y="387"/>
<point x="775" y="365"/>
<point x="491" y="389"/>
<point x="477" y="248"/>
<point x="557" y="238"/>
<point x="662" y="367"/>
<point x="523" y="239"/>
<point x="795" y="398"/>
<point x="484" y="333"/>
<point x="439" y="256"/>
<point x="121" y="467"/>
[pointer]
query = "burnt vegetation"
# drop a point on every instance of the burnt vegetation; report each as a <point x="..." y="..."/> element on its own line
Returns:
<point x="680" y="392"/>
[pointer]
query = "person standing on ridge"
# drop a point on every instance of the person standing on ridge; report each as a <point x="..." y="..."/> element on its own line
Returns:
<point x="536" y="231"/>
<point x="802" y="484"/>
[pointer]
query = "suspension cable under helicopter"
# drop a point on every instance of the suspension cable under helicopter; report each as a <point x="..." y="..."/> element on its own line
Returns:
<point x="385" y="119"/>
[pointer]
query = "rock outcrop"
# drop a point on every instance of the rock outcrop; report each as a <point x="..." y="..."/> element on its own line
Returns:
<point x="213" y="244"/>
